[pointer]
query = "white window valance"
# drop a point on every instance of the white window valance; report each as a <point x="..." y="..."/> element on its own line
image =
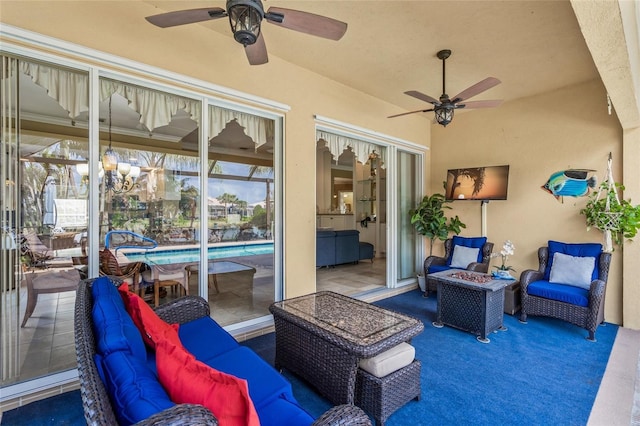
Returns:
<point x="361" y="149"/>
<point x="69" y="89"/>
<point x="259" y="129"/>
<point x="155" y="108"/>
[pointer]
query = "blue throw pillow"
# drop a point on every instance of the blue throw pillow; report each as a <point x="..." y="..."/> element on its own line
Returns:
<point x="134" y="390"/>
<point x="475" y="242"/>
<point x="113" y="328"/>
<point x="579" y="250"/>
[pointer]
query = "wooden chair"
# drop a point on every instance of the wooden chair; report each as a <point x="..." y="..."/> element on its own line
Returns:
<point x="173" y="275"/>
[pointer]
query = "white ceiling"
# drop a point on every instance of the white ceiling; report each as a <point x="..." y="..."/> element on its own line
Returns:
<point x="390" y="46"/>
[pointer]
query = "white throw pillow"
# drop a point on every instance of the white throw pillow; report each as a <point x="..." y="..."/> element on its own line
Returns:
<point x="463" y="256"/>
<point x="572" y="270"/>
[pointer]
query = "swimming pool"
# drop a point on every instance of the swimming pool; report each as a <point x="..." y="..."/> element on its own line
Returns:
<point x="161" y="256"/>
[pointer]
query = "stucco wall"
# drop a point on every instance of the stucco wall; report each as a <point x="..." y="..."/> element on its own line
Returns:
<point x="536" y="137"/>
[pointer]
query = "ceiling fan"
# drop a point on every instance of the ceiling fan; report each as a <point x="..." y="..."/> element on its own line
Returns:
<point x="445" y="106"/>
<point x="245" y="17"/>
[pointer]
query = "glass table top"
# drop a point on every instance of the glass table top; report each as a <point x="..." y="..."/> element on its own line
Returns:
<point x="359" y="322"/>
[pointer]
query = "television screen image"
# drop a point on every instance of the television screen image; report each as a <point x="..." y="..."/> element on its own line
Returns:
<point x="477" y="183"/>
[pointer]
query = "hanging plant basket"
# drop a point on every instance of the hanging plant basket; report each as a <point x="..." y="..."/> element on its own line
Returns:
<point x="617" y="218"/>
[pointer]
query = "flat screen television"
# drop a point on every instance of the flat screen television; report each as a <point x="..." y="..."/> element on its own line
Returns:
<point x="477" y="183"/>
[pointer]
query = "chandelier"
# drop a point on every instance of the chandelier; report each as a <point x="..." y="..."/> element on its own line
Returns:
<point x="119" y="177"/>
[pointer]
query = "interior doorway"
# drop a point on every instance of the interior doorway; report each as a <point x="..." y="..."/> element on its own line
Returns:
<point x="350" y="203"/>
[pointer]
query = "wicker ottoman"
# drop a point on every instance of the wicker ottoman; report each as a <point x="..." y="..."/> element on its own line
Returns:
<point x="382" y="396"/>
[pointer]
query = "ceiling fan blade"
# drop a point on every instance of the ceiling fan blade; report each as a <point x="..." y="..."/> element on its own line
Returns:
<point x="305" y="22"/>
<point x="189" y="16"/>
<point x="412" y="112"/>
<point x="482" y="104"/>
<point x="257" y="52"/>
<point x="477" y="88"/>
<point x="422" y="97"/>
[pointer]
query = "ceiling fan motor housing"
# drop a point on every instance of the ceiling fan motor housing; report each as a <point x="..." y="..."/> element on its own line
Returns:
<point x="245" y="17"/>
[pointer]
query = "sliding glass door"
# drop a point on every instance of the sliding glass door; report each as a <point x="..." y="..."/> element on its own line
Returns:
<point x="44" y="214"/>
<point x="407" y="196"/>
<point x="181" y="205"/>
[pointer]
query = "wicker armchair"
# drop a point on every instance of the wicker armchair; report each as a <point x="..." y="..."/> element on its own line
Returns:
<point x="97" y="406"/>
<point x="131" y="273"/>
<point x="437" y="263"/>
<point x="587" y="317"/>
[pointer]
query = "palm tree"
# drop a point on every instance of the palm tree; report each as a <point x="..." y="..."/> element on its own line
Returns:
<point x="227" y="199"/>
<point x="242" y="205"/>
<point x="476" y="174"/>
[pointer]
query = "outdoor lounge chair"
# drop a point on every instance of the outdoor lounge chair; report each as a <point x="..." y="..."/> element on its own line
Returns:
<point x="570" y="284"/>
<point x="478" y="262"/>
<point x="35" y="250"/>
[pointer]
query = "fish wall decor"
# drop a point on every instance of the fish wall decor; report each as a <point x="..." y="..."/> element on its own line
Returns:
<point x="571" y="182"/>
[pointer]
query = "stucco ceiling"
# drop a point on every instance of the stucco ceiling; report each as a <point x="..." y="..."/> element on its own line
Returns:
<point x="390" y="46"/>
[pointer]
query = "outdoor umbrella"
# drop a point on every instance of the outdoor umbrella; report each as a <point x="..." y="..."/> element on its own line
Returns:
<point x="49" y="203"/>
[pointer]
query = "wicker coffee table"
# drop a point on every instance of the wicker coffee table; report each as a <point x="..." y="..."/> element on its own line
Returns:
<point x="322" y="336"/>
<point x="470" y="301"/>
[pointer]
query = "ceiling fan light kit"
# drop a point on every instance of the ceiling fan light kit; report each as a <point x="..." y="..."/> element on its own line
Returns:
<point x="245" y="18"/>
<point x="444" y="107"/>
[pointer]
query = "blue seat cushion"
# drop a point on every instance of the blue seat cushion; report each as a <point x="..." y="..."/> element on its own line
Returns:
<point x="265" y="383"/>
<point x="217" y="340"/>
<point x="438" y="268"/>
<point x="474" y="242"/>
<point x="577" y="249"/>
<point x="113" y="328"/>
<point x="281" y="412"/>
<point x="134" y="390"/>
<point x="560" y="292"/>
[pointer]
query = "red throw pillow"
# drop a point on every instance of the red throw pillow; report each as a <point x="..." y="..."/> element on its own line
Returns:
<point x="188" y="380"/>
<point x="151" y="326"/>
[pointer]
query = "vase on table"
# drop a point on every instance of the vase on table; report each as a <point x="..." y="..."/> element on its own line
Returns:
<point x="503" y="273"/>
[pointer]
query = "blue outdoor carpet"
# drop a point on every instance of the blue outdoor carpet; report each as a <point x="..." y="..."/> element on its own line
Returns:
<point x="541" y="373"/>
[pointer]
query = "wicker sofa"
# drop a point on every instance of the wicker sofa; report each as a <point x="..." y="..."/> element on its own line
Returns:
<point x="192" y="313"/>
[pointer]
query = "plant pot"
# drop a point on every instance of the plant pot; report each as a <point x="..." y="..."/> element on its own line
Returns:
<point x="422" y="282"/>
<point x="502" y="274"/>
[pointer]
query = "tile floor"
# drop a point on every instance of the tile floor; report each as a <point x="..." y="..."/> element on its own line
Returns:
<point x="46" y="343"/>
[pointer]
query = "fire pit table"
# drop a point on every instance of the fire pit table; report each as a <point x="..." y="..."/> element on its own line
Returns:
<point x="470" y="301"/>
<point x="323" y="336"/>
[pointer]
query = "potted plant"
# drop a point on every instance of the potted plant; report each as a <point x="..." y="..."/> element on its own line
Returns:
<point x="502" y="271"/>
<point x="429" y="219"/>
<point x="616" y="217"/>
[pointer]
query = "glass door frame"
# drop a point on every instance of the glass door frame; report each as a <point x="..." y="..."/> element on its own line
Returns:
<point x="392" y="145"/>
<point x="35" y="47"/>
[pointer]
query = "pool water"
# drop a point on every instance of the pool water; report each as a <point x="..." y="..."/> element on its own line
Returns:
<point x="163" y="257"/>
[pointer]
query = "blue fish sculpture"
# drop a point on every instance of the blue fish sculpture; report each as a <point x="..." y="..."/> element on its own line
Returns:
<point x="572" y="183"/>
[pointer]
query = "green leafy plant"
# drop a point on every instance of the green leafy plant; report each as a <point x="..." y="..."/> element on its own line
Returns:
<point x="429" y="219"/>
<point x="621" y="218"/>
